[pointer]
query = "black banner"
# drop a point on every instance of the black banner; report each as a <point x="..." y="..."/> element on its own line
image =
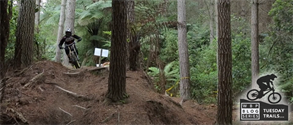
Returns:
<point x="261" y="111"/>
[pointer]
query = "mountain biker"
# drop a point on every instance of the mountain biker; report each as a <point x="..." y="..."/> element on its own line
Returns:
<point x="68" y="39"/>
<point x="264" y="83"/>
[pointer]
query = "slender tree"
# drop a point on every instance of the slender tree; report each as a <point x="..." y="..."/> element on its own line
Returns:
<point x="254" y="41"/>
<point x="37" y="15"/>
<point x="69" y="22"/>
<point x="216" y="18"/>
<point x="224" y="111"/>
<point x="243" y="8"/>
<point x="60" y="30"/>
<point x="25" y="34"/>
<point x="211" y="7"/>
<point x="183" y="51"/>
<point x="4" y="34"/>
<point x="134" y="45"/>
<point x="37" y="28"/>
<point x="117" y="76"/>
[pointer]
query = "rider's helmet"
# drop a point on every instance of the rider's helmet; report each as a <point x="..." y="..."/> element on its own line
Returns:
<point x="273" y="76"/>
<point x="68" y="32"/>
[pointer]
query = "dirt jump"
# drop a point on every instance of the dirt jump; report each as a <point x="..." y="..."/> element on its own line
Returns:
<point x="49" y="93"/>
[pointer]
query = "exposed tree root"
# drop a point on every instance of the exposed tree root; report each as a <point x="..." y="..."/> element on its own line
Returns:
<point x="2" y="88"/>
<point x="80" y="107"/>
<point x="149" y="80"/>
<point x="118" y="118"/>
<point x="96" y="69"/>
<point x="70" y="122"/>
<point x="73" y="93"/>
<point x="22" y="71"/>
<point x="37" y="77"/>
<point x="107" y="101"/>
<point x="18" y="115"/>
<point x="72" y="74"/>
<point x="40" y="88"/>
<point x="65" y="111"/>
<point x="109" y="117"/>
<point x="174" y="102"/>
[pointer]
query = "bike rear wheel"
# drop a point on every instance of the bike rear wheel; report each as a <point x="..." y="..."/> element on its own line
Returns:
<point x="274" y="97"/>
<point x="252" y="94"/>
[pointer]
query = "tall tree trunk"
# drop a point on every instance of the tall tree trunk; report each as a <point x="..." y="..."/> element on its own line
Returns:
<point x="69" y="23"/>
<point x="224" y="111"/>
<point x="129" y="30"/>
<point x="243" y="9"/>
<point x="25" y="34"/>
<point x="134" y="45"/>
<point x="254" y="41"/>
<point x="117" y="76"/>
<point x="37" y="29"/>
<point x="60" y="30"/>
<point x="37" y="15"/>
<point x="4" y="35"/>
<point x="212" y="21"/>
<point x="216" y="19"/>
<point x="183" y="51"/>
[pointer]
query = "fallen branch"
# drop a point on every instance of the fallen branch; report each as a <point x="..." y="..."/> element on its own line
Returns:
<point x="42" y="90"/>
<point x="80" y="107"/>
<point x="70" y="122"/>
<point x="72" y="74"/>
<point x="149" y="80"/>
<point x="19" y="115"/>
<point x="169" y="99"/>
<point x="72" y="93"/>
<point x="109" y="117"/>
<point x="34" y="79"/>
<point x="98" y="69"/>
<point x="22" y="71"/>
<point x="51" y="83"/>
<point x="65" y="111"/>
<point x="118" y="119"/>
<point x="2" y="89"/>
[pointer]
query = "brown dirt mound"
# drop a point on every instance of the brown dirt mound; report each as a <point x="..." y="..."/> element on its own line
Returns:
<point x="49" y="93"/>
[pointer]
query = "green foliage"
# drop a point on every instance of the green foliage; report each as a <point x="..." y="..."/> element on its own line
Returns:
<point x="282" y="16"/>
<point x="169" y="46"/>
<point x="9" y="54"/>
<point x="203" y="69"/>
<point x="170" y="71"/>
<point x="93" y="12"/>
<point x="241" y="55"/>
<point x="92" y="20"/>
<point x="279" y="45"/>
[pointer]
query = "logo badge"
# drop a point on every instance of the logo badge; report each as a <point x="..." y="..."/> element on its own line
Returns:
<point x="263" y="102"/>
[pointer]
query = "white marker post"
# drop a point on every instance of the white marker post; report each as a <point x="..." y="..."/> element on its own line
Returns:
<point x="101" y="53"/>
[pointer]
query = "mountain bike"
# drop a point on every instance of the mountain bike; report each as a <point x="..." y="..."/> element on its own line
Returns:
<point x="274" y="97"/>
<point x="73" y="55"/>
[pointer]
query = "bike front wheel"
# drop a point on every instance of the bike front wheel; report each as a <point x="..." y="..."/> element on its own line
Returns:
<point x="274" y="97"/>
<point x="74" y="61"/>
<point x="252" y="94"/>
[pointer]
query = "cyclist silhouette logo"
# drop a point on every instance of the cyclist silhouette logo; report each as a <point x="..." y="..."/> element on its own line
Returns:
<point x="266" y="86"/>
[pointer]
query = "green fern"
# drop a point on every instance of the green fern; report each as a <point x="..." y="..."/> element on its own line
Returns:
<point x="93" y="12"/>
<point x="171" y="73"/>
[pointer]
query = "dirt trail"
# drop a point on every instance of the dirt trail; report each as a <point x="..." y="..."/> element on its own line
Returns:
<point x="49" y="93"/>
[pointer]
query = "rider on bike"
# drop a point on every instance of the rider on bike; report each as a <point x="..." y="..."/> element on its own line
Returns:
<point x="264" y="83"/>
<point x="68" y="39"/>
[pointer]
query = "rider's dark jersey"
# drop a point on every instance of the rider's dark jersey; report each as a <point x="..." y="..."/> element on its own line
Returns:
<point x="68" y="40"/>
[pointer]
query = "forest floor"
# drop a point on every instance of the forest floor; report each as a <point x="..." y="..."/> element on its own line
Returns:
<point x="49" y="93"/>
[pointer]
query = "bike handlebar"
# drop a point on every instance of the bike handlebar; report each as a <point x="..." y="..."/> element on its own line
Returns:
<point x="70" y="44"/>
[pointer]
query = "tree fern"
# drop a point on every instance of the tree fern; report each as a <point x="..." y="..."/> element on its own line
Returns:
<point x="93" y="12"/>
<point x="170" y="71"/>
